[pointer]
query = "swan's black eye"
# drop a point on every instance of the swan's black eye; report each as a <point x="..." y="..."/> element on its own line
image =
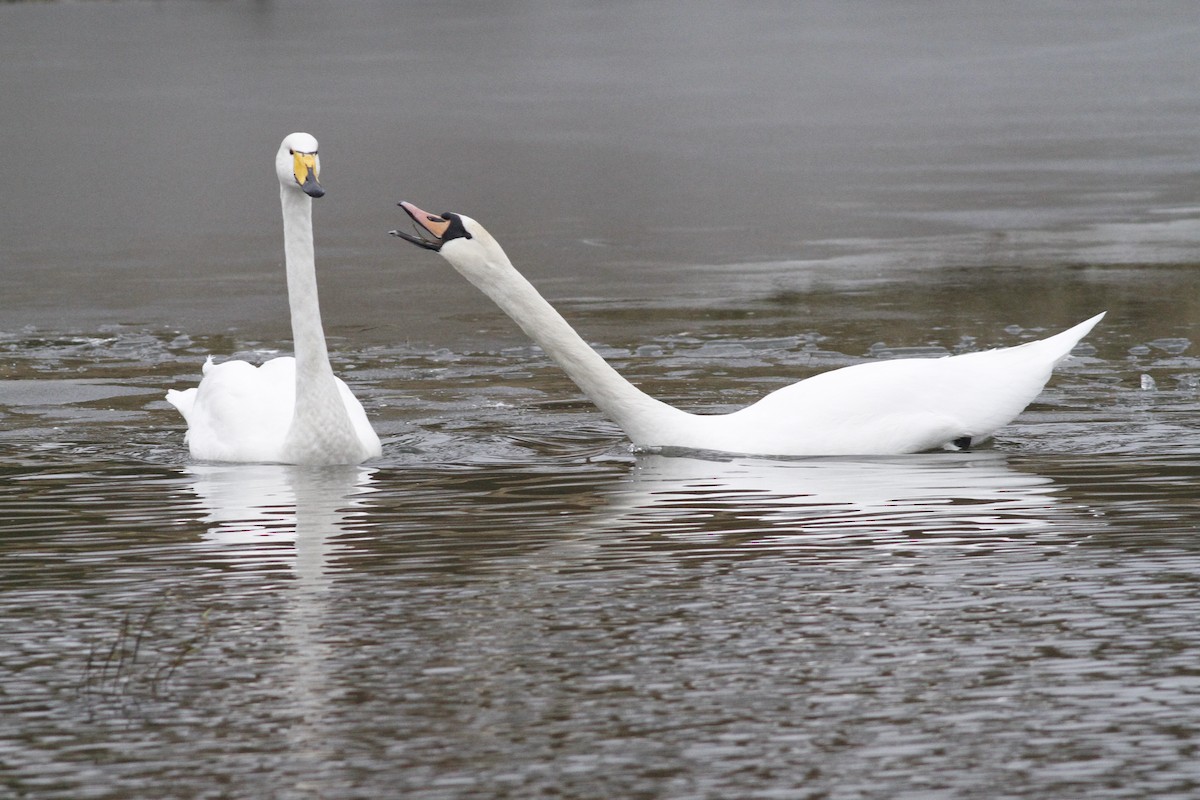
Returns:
<point x="291" y="152"/>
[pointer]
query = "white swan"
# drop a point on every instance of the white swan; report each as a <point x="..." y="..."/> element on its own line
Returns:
<point x="878" y="407"/>
<point x="289" y="410"/>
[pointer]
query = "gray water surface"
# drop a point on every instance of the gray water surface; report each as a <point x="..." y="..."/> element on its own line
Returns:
<point x="510" y="603"/>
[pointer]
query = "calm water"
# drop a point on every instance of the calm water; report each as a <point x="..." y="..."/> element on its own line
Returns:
<point x="510" y="603"/>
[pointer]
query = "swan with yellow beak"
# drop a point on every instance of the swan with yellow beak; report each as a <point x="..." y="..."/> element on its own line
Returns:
<point x="290" y="410"/>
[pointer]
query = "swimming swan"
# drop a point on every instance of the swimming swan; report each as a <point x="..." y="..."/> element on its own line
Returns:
<point x="878" y="407"/>
<point x="289" y="410"/>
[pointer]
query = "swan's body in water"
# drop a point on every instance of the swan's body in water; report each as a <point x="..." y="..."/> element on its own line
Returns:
<point x="879" y="407"/>
<point x="289" y="410"/>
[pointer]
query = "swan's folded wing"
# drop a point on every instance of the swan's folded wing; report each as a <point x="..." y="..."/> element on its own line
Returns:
<point x="241" y="412"/>
<point x="358" y="420"/>
<point x="901" y="406"/>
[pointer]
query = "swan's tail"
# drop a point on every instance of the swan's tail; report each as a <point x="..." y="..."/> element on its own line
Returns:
<point x="184" y="400"/>
<point x="1060" y="345"/>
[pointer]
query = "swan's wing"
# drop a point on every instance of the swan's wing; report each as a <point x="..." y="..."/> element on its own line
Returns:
<point x="901" y="406"/>
<point x="241" y="412"/>
<point x="358" y="420"/>
<point x="905" y="405"/>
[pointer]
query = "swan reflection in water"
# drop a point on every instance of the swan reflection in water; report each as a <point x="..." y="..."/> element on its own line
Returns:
<point x="961" y="499"/>
<point x="267" y="515"/>
<point x="276" y="514"/>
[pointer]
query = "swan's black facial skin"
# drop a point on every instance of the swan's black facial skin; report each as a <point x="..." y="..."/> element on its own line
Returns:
<point x="456" y="229"/>
<point x="432" y="231"/>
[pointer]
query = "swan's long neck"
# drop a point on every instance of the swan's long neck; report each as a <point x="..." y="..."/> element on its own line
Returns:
<point x="320" y="421"/>
<point x="312" y="359"/>
<point x="638" y="414"/>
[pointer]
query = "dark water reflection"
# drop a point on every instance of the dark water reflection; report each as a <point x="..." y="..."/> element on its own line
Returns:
<point x="509" y="603"/>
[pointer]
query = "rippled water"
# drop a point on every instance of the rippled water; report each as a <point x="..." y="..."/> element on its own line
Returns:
<point x="509" y="603"/>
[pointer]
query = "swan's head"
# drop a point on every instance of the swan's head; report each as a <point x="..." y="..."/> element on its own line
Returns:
<point x="436" y="231"/>
<point x="459" y="239"/>
<point x="462" y="241"/>
<point x="298" y="164"/>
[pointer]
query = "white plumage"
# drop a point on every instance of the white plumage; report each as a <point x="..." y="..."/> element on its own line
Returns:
<point x="289" y="410"/>
<point x="880" y="407"/>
